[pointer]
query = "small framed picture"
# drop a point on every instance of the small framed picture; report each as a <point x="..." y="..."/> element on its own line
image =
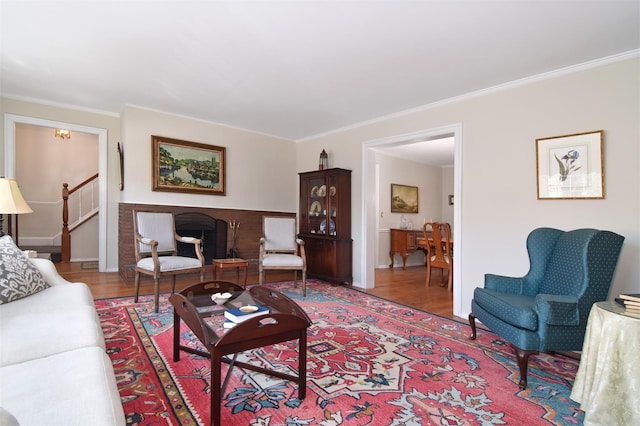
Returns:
<point x="404" y="199"/>
<point x="570" y="167"/>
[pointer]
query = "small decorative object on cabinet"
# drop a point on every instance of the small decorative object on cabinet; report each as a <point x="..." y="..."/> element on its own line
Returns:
<point x="324" y="160"/>
<point x="325" y="224"/>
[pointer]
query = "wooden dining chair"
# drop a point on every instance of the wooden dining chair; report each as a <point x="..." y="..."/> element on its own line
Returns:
<point x="438" y="250"/>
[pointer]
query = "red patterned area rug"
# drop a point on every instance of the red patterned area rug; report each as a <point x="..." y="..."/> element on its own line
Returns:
<point x="370" y="362"/>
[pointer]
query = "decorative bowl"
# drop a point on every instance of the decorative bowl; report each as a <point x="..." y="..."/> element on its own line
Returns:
<point x="221" y="298"/>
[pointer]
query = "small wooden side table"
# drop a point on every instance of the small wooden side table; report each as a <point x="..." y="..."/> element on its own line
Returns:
<point x="235" y="263"/>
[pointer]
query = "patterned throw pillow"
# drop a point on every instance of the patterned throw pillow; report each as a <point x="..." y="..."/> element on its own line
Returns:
<point x="18" y="277"/>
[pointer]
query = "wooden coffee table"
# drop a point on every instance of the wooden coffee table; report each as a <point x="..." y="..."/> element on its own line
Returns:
<point x="285" y="321"/>
<point x="231" y="263"/>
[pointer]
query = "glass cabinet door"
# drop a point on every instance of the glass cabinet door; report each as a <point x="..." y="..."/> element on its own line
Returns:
<point x="332" y="207"/>
<point x="318" y="206"/>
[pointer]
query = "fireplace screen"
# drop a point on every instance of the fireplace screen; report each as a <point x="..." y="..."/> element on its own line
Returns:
<point x="212" y="232"/>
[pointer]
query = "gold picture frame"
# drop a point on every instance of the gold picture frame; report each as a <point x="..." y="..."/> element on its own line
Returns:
<point x="570" y="167"/>
<point x="404" y="198"/>
<point x="190" y="167"/>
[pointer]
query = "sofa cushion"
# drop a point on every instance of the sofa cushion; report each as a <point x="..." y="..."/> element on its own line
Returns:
<point x="18" y="277"/>
<point x="34" y="335"/>
<point x="71" y="388"/>
<point x="513" y="309"/>
<point x="51" y="299"/>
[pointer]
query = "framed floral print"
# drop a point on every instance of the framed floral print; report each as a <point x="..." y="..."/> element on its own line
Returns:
<point x="570" y="167"/>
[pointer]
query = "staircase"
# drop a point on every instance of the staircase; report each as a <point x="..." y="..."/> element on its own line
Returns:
<point x="79" y="204"/>
<point x="83" y="200"/>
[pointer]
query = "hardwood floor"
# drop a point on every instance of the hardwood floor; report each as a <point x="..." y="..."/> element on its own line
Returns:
<point x="409" y="288"/>
<point x="406" y="287"/>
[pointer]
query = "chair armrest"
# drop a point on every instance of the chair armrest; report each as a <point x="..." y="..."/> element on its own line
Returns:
<point x="48" y="271"/>
<point x="301" y="251"/>
<point x="503" y="284"/>
<point x="197" y="243"/>
<point x="556" y="309"/>
<point x="261" y="251"/>
<point x="188" y="240"/>
<point x="146" y="241"/>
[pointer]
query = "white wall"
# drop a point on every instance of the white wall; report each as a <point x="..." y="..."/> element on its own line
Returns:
<point x="498" y="200"/>
<point x="260" y="172"/>
<point x="446" y="213"/>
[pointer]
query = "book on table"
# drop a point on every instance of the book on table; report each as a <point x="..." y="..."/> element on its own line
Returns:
<point x="632" y="297"/>
<point x="628" y="305"/>
<point x="243" y="313"/>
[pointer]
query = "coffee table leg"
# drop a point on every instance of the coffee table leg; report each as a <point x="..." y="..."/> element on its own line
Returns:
<point x="176" y="337"/>
<point x="302" y="365"/>
<point x="215" y="387"/>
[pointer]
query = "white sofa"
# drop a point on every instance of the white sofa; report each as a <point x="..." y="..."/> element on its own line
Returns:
<point x="53" y="366"/>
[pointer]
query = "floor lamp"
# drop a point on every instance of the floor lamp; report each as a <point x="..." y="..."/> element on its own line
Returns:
<point x="12" y="202"/>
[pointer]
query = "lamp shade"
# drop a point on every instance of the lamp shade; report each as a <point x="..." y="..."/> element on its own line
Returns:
<point x="11" y="200"/>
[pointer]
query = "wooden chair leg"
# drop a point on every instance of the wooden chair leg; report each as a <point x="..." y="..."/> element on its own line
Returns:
<point x="523" y="363"/>
<point x="295" y="279"/>
<point x="156" y="292"/>
<point x="304" y="283"/>
<point x="428" y="275"/>
<point x="173" y="284"/>
<point x="472" y="323"/>
<point x="136" y="286"/>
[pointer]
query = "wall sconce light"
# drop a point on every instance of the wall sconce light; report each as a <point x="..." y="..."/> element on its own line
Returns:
<point x="324" y="160"/>
<point x="63" y="134"/>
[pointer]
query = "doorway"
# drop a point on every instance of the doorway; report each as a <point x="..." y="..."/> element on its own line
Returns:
<point x="10" y="161"/>
<point x="371" y="204"/>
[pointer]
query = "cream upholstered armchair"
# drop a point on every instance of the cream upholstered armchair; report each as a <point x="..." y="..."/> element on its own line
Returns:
<point x="156" y="251"/>
<point x="281" y="250"/>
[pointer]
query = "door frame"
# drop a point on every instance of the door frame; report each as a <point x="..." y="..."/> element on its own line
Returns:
<point x="371" y="204"/>
<point x="10" y="120"/>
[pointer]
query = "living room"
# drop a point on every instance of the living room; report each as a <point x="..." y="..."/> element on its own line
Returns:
<point x="495" y="130"/>
<point x="502" y="146"/>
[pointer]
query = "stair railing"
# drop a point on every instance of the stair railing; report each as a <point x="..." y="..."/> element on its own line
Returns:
<point x="84" y="200"/>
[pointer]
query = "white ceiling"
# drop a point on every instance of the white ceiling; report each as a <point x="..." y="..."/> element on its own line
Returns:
<point x="437" y="152"/>
<point x="295" y="69"/>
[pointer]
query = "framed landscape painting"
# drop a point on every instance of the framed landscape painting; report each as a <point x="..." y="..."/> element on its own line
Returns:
<point x="182" y="166"/>
<point x="404" y="199"/>
<point x="570" y="167"/>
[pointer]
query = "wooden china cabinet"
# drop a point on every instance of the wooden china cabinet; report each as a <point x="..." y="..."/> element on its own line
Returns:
<point x="325" y="224"/>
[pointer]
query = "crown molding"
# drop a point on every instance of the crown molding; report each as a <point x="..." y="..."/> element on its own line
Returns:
<point x="608" y="60"/>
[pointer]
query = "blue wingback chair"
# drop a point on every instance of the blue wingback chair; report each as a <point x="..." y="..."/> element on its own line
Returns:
<point x="547" y="309"/>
